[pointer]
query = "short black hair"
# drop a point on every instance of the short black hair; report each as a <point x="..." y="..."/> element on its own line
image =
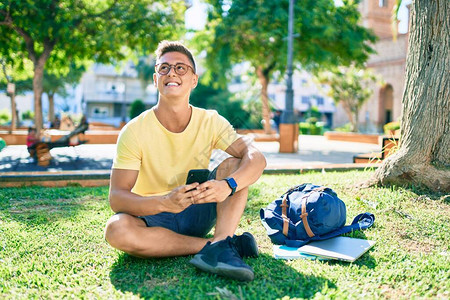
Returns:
<point x="174" y="46"/>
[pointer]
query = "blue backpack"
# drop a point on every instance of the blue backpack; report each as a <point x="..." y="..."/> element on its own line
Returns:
<point x="307" y="213"/>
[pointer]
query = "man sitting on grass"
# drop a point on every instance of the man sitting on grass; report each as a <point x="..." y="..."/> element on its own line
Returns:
<point x="158" y="215"/>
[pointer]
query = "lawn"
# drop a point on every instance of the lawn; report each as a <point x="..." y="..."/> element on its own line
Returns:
<point x="52" y="246"/>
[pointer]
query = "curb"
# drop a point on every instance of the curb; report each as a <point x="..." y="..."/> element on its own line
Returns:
<point x="101" y="177"/>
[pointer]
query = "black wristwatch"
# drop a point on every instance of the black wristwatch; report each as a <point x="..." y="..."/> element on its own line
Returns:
<point x="232" y="184"/>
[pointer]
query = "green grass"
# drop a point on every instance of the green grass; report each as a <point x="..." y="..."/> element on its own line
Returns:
<point x="52" y="246"/>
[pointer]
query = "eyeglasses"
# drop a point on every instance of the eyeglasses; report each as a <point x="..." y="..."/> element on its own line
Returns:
<point x="179" y="68"/>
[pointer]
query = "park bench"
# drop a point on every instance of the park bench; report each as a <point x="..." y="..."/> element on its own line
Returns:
<point x="389" y="145"/>
<point x="42" y="149"/>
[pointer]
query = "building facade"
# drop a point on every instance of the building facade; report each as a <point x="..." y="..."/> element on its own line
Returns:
<point x="107" y="94"/>
<point x="389" y="62"/>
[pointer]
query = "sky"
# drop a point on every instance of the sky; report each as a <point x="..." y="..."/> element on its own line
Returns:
<point x="196" y="15"/>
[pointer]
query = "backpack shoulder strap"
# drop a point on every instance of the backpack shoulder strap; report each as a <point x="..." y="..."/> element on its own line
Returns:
<point x="360" y="222"/>
<point x="284" y="207"/>
<point x="304" y="217"/>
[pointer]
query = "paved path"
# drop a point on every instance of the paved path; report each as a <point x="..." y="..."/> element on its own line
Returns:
<point x="313" y="151"/>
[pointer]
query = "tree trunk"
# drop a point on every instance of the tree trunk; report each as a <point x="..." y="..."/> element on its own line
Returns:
<point x="424" y="154"/>
<point x="264" y="80"/>
<point x="350" y="115"/>
<point x="356" y="116"/>
<point x="51" y="107"/>
<point x="37" y="89"/>
<point x="13" y="112"/>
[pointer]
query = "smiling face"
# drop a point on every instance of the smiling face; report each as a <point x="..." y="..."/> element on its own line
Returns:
<point x="173" y="85"/>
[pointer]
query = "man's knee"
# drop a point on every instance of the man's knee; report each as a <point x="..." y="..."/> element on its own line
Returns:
<point x="119" y="232"/>
<point x="227" y="167"/>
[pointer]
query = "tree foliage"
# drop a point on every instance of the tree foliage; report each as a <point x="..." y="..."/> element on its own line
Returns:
<point x="53" y="34"/>
<point x="56" y="84"/>
<point x="255" y="31"/>
<point x="145" y="69"/>
<point x="349" y="86"/>
<point x="220" y="99"/>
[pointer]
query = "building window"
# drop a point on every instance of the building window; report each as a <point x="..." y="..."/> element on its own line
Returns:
<point x="319" y="100"/>
<point x="382" y="3"/>
<point x="305" y="100"/>
<point x="100" y="112"/>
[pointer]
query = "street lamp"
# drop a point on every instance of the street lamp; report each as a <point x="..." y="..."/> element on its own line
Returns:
<point x="121" y="89"/>
<point x="288" y="126"/>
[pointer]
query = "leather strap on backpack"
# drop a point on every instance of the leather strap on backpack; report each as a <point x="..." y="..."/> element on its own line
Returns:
<point x="284" y="207"/>
<point x="304" y="217"/>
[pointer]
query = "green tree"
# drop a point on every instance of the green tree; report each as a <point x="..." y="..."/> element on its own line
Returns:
<point x="220" y="99"/>
<point x="145" y="69"/>
<point x="13" y="72"/>
<point x="53" y="33"/>
<point x="351" y="87"/>
<point x="423" y="157"/>
<point x="256" y="30"/>
<point x="57" y="84"/>
<point x="137" y="107"/>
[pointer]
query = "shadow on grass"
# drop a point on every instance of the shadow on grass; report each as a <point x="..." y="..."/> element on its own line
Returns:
<point x="420" y="193"/>
<point x="38" y="206"/>
<point x="175" y="278"/>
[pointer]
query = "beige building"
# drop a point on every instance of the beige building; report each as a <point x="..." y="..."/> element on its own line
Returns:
<point x="389" y="62"/>
<point x="107" y="95"/>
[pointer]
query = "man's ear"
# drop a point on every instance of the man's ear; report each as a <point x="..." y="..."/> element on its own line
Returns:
<point x="195" y="81"/>
<point x="154" y="80"/>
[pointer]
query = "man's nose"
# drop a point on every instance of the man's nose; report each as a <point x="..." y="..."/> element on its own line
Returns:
<point x="171" y="70"/>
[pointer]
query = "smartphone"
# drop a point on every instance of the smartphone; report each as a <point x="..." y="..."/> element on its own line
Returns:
<point x="197" y="175"/>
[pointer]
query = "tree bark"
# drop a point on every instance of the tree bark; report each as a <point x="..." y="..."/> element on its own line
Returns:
<point x="38" y="89"/>
<point x="264" y="80"/>
<point x="424" y="154"/>
<point x="350" y="115"/>
<point x="13" y="100"/>
<point x="13" y="112"/>
<point x="51" y="107"/>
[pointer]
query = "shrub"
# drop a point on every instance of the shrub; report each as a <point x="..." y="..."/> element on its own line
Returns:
<point x="315" y="129"/>
<point x="304" y="127"/>
<point x="2" y="144"/>
<point x="346" y="128"/>
<point x="5" y="115"/>
<point x="312" y="120"/>
<point x="311" y="128"/>
<point x="28" y="115"/>
<point x="137" y="107"/>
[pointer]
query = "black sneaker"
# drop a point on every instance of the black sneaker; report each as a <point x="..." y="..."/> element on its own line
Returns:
<point x="245" y="245"/>
<point x="222" y="258"/>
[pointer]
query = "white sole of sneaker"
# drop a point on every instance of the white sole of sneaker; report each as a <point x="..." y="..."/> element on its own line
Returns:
<point x="242" y="274"/>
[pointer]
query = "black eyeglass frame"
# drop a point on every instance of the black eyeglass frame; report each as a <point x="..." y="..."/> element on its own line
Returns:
<point x="174" y="68"/>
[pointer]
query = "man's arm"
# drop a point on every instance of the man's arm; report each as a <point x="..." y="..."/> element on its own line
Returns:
<point x="123" y="200"/>
<point x="250" y="169"/>
<point x="252" y="163"/>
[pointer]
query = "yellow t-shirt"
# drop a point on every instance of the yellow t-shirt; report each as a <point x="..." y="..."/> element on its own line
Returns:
<point x="164" y="158"/>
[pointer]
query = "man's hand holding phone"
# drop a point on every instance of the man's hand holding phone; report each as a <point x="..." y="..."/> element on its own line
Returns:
<point x="180" y="198"/>
<point x="183" y="196"/>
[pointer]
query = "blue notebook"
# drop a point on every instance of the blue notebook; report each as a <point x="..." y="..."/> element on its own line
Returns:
<point x="340" y="248"/>
<point x="285" y="252"/>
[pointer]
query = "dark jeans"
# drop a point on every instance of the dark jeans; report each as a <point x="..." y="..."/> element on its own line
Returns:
<point x="195" y="220"/>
